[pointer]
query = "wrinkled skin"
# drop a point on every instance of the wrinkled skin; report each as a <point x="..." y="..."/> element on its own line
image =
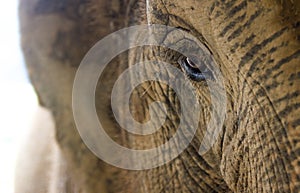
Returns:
<point x="256" y="45"/>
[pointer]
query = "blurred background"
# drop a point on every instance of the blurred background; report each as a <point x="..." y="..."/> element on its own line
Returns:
<point x="18" y="102"/>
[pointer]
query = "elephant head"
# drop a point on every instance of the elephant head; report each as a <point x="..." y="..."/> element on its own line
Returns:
<point x="255" y="45"/>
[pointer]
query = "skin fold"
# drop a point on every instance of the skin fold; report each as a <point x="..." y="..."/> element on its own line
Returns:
<point x="256" y="46"/>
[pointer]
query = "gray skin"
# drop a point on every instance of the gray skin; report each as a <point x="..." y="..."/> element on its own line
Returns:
<point x="256" y="45"/>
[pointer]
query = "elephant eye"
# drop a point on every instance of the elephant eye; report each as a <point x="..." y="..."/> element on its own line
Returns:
<point x="195" y="68"/>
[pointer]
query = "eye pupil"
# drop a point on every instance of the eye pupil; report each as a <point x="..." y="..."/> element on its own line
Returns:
<point x="190" y="66"/>
<point x="191" y="63"/>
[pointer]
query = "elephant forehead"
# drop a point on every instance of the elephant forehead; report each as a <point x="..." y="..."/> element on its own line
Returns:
<point x="187" y="10"/>
<point x="236" y="32"/>
<point x="229" y="27"/>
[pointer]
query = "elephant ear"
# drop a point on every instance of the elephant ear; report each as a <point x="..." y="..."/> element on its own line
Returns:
<point x="56" y="34"/>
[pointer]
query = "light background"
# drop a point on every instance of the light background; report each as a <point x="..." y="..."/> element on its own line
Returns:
<point x="17" y="99"/>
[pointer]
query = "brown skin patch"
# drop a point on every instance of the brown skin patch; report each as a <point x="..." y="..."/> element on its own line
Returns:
<point x="256" y="46"/>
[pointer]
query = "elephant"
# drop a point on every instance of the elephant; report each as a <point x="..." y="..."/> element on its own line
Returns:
<point x="254" y="44"/>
